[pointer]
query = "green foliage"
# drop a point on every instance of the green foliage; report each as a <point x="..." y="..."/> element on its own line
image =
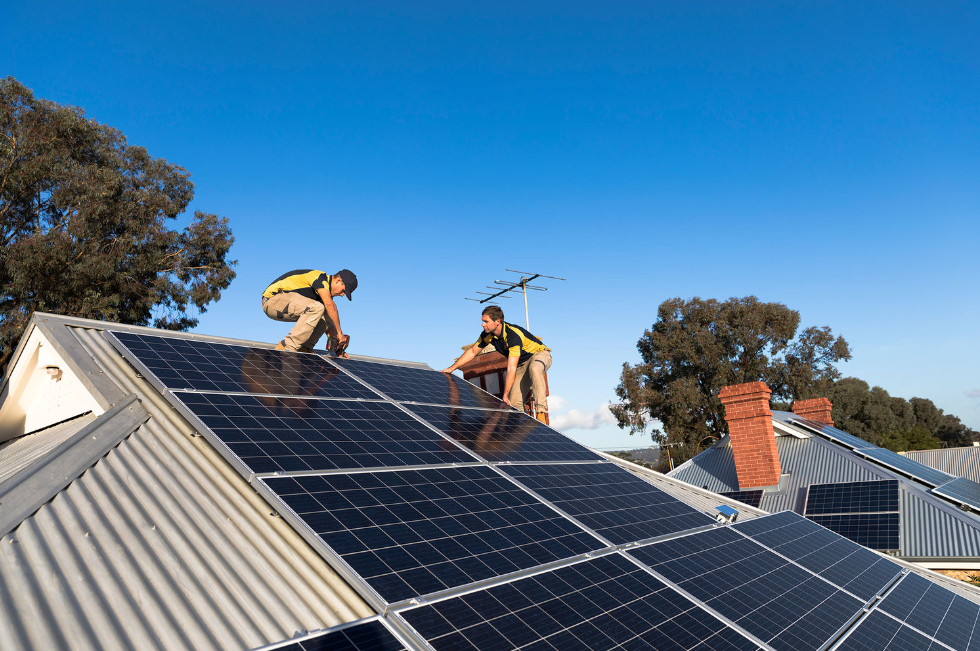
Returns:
<point x="894" y="423"/>
<point x="698" y="346"/>
<point x="83" y="225"/>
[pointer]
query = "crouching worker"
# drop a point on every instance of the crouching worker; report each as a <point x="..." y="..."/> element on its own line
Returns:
<point x="306" y="297"/>
<point x="527" y="360"/>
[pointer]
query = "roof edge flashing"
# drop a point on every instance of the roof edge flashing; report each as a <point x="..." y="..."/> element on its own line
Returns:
<point x="27" y="491"/>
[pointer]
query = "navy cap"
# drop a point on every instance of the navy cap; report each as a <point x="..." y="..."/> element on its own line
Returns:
<point x="350" y="281"/>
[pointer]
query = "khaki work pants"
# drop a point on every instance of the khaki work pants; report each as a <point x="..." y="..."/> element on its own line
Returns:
<point x="309" y="314"/>
<point x="530" y="375"/>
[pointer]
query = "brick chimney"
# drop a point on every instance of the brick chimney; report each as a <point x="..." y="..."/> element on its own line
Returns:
<point x="753" y="440"/>
<point x="817" y="409"/>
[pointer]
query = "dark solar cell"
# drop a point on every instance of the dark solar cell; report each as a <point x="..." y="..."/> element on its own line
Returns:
<point x="775" y="600"/>
<point x="420" y="385"/>
<point x="417" y="532"/>
<point x="852" y="497"/>
<point x="504" y="435"/>
<point x="842" y="562"/>
<point x="879" y="632"/>
<point x="849" y="440"/>
<point x="610" y="500"/>
<point x="907" y="466"/>
<point x="935" y="611"/>
<point x="873" y="530"/>
<point x="604" y="603"/>
<point x="961" y="490"/>
<point x="752" y="498"/>
<point x="369" y="636"/>
<point x="301" y="434"/>
<point x="204" y="366"/>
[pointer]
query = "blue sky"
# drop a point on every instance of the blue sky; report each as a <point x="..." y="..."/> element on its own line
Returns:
<point x="823" y="155"/>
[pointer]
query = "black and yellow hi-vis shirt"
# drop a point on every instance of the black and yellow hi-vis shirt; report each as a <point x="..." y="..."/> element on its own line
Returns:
<point x="304" y="282"/>
<point x="514" y="341"/>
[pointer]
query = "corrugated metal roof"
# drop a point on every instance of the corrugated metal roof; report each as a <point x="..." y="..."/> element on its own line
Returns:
<point x="159" y="545"/>
<point x="931" y="528"/>
<point x="21" y="453"/>
<point x="934" y="529"/>
<point x="962" y="462"/>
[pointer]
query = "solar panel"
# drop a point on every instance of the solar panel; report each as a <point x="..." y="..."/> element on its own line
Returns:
<point x="752" y="498"/>
<point x="863" y="511"/>
<point x="935" y="611"/>
<point x="879" y="632"/>
<point x="852" y="497"/>
<point x="604" y="603"/>
<point x="961" y="490"/>
<point x="266" y="434"/>
<point x="831" y="432"/>
<point x="873" y="530"/>
<point x="412" y="384"/>
<point x="416" y="532"/>
<point x="204" y="366"/>
<point x="840" y="561"/>
<point x="611" y="501"/>
<point x="367" y="636"/>
<point x="503" y="435"/>
<point x="907" y="466"/>
<point x="779" y="602"/>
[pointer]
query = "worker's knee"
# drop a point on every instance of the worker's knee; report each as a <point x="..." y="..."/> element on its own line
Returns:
<point x="313" y="314"/>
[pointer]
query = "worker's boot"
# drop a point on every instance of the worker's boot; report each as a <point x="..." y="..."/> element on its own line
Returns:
<point x="305" y="349"/>
<point x="280" y="346"/>
<point x="542" y="416"/>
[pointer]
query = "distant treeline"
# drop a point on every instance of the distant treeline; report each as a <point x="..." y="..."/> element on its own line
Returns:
<point x="894" y="423"/>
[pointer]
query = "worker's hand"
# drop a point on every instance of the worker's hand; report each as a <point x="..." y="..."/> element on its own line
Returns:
<point x="507" y="401"/>
<point x="447" y="370"/>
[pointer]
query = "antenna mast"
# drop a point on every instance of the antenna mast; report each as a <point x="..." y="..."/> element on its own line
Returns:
<point x="509" y="286"/>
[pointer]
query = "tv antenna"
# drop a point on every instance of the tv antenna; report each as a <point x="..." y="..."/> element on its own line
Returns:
<point x="509" y="286"/>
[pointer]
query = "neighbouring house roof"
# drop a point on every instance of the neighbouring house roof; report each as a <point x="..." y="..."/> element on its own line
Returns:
<point x="934" y="531"/>
<point x="962" y="462"/>
<point x="121" y="527"/>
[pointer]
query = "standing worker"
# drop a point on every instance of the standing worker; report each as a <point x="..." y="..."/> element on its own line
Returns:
<point x="306" y="297"/>
<point x="527" y="360"/>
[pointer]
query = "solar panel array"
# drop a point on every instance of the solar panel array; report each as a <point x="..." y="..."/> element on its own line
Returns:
<point x="611" y="501"/>
<point x="605" y="603"/>
<point x="270" y="434"/>
<point x="774" y="599"/>
<point x="409" y="384"/>
<point x="202" y="366"/>
<point x="907" y="466"/>
<point x="501" y="436"/>
<point x="831" y="432"/>
<point x="502" y="533"/>
<point x="962" y="490"/>
<point x="416" y="532"/>
<point x="866" y="512"/>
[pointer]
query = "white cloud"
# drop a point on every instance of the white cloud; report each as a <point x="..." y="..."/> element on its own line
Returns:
<point x="972" y="393"/>
<point x="578" y="419"/>
<point x="556" y="403"/>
